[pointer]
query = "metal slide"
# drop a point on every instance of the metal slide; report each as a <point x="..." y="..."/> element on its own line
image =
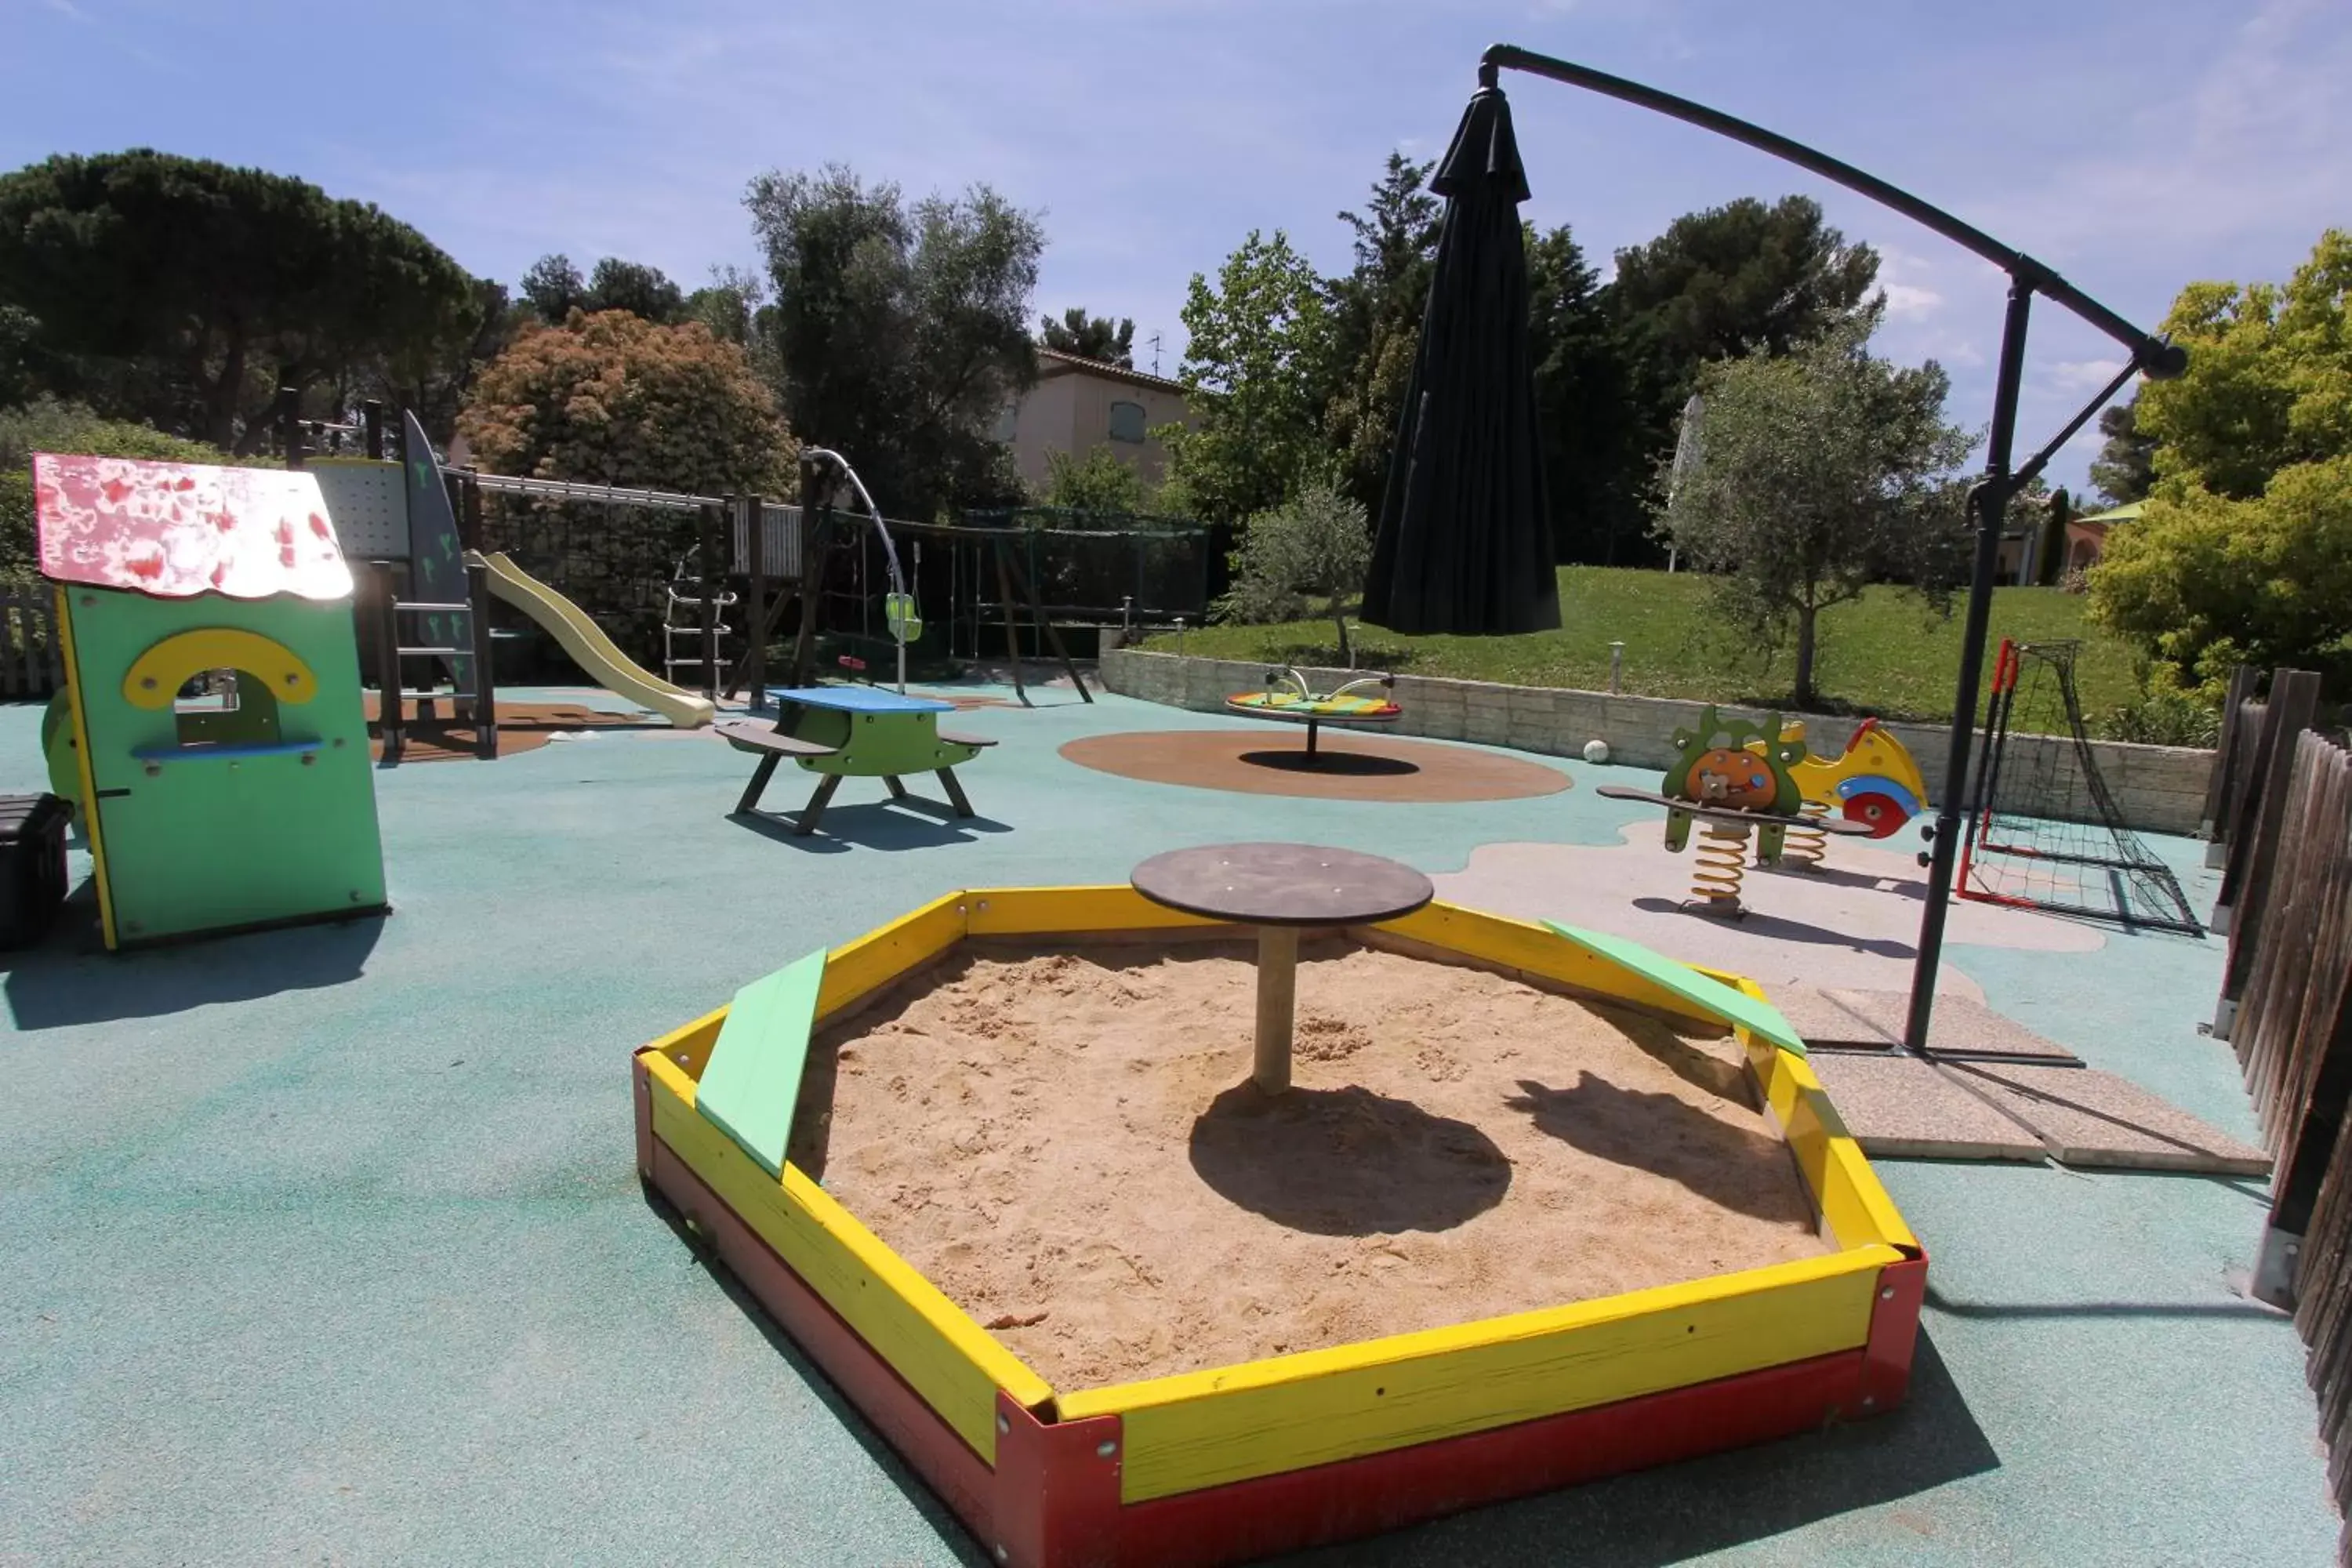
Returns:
<point x="590" y="649"/>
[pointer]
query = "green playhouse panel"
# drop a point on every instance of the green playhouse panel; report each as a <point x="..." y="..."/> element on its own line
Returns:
<point x="255" y="821"/>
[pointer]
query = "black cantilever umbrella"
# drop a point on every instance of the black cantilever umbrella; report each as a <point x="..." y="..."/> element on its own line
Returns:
<point x="1464" y="539"/>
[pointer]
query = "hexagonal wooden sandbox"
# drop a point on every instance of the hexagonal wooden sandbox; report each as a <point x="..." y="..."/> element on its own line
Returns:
<point x="1240" y="1461"/>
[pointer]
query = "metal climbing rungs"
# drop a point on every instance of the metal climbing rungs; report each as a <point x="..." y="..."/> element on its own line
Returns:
<point x="422" y="607"/>
<point x="710" y="660"/>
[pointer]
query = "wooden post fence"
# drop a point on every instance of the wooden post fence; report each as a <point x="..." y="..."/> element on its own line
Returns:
<point x="755" y="665"/>
<point x="2238" y="724"/>
<point x="31" y="663"/>
<point x="2285" y="799"/>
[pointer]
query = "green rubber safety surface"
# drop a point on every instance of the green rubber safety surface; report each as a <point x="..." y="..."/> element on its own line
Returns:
<point x="1712" y="996"/>
<point x="328" y="1244"/>
<point x="752" y="1082"/>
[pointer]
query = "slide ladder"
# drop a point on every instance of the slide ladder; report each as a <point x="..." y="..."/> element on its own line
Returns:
<point x="682" y="617"/>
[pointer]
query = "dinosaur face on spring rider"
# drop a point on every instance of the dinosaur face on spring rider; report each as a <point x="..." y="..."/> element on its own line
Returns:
<point x="1736" y="766"/>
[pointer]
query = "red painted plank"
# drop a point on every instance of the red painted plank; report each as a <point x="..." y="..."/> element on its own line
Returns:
<point x="928" y="1444"/>
<point x="1057" y="1489"/>
<point x="1894" y="1334"/>
<point x="1249" y="1520"/>
<point x="1052" y="1499"/>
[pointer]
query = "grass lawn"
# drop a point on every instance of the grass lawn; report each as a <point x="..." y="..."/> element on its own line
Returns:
<point x="1884" y="653"/>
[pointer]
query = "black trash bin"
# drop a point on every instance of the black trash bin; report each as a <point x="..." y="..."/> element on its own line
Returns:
<point x="32" y="865"/>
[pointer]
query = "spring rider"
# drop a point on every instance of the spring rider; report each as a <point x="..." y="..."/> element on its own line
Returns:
<point x="1874" y="783"/>
<point x="1736" y="781"/>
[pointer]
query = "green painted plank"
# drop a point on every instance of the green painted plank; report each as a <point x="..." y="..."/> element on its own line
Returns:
<point x="1710" y="996"/>
<point x="753" y="1079"/>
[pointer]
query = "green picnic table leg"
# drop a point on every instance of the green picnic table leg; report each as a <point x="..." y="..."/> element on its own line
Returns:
<point x="760" y="774"/>
<point x="815" y="808"/>
<point x="955" y="793"/>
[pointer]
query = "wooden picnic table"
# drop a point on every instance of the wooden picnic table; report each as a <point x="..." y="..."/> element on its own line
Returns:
<point x="1281" y="889"/>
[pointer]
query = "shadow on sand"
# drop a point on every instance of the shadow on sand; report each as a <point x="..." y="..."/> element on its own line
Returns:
<point x="1746" y="1171"/>
<point x="1346" y="1162"/>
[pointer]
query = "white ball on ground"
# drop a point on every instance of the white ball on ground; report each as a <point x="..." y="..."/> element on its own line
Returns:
<point x="1596" y="750"/>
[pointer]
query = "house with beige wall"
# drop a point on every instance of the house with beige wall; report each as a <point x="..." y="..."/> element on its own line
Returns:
<point x="1078" y="404"/>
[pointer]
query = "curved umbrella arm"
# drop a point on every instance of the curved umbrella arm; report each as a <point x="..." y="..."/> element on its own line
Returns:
<point x="2151" y="355"/>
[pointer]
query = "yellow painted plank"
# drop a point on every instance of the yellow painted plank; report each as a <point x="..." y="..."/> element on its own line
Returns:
<point x="1854" y="1205"/>
<point x="93" y="831"/>
<point x="875" y="960"/>
<point x="1206" y="1430"/>
<point x="1036" y="911"/>
<point x="948" y="1359"/>
<point x="688" y="1047"/>
<point x="1524" y="944"/>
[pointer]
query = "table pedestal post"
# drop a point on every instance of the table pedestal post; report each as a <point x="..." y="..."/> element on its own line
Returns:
<point x="1277" y="994"/>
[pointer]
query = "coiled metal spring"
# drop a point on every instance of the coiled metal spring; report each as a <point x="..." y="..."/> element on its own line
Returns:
<point x="1808" y="846"/>
<point x="1721" y="853"/>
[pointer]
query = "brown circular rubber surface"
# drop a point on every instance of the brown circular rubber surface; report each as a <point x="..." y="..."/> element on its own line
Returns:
<point x="523" y="727"/>
<point x="1349" y="767"/>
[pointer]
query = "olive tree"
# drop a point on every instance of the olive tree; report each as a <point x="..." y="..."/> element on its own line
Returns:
<point x="1817" y="473"/>
<point x="1318" y="544"/>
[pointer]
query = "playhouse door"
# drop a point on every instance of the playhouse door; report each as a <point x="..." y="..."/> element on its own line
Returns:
<point x="217" y="841"/>
<point x="221" y="802"/>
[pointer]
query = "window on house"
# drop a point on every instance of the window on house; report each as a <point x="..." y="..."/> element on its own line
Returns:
<point x="1127" y="421"/>
<point x="207" y="691"/>
<point x="224" y="707"/>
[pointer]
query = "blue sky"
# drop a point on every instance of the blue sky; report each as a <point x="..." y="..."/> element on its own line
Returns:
<point x="2135" y="147"/>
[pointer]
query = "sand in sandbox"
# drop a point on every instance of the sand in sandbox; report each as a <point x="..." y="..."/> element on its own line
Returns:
<point x="1067" y="1145"/>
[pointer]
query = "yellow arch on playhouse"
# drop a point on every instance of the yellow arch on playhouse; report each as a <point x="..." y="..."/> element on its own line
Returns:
<point x="158" y="673"/>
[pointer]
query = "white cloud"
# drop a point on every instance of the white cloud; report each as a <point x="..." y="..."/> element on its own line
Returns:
<point x="1906" y="301"/>
<point x="2259" y="144"/>
<point x="68" y="9"/>
<point x="2084" y="375"/>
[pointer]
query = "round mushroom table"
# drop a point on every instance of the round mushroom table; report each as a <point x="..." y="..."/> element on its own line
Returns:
<point x="1281" y="889"/>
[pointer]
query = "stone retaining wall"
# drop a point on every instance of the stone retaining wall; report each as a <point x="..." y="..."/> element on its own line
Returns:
<point x="2159" y="789"/>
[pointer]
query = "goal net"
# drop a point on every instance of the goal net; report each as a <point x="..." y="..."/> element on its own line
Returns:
<point x="2043" y="830"/>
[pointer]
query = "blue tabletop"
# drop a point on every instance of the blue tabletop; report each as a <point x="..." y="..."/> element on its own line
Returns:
<point x="859" y="699"/>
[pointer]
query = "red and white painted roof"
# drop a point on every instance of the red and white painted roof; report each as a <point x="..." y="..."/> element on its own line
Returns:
<point x="176" y="530"/>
